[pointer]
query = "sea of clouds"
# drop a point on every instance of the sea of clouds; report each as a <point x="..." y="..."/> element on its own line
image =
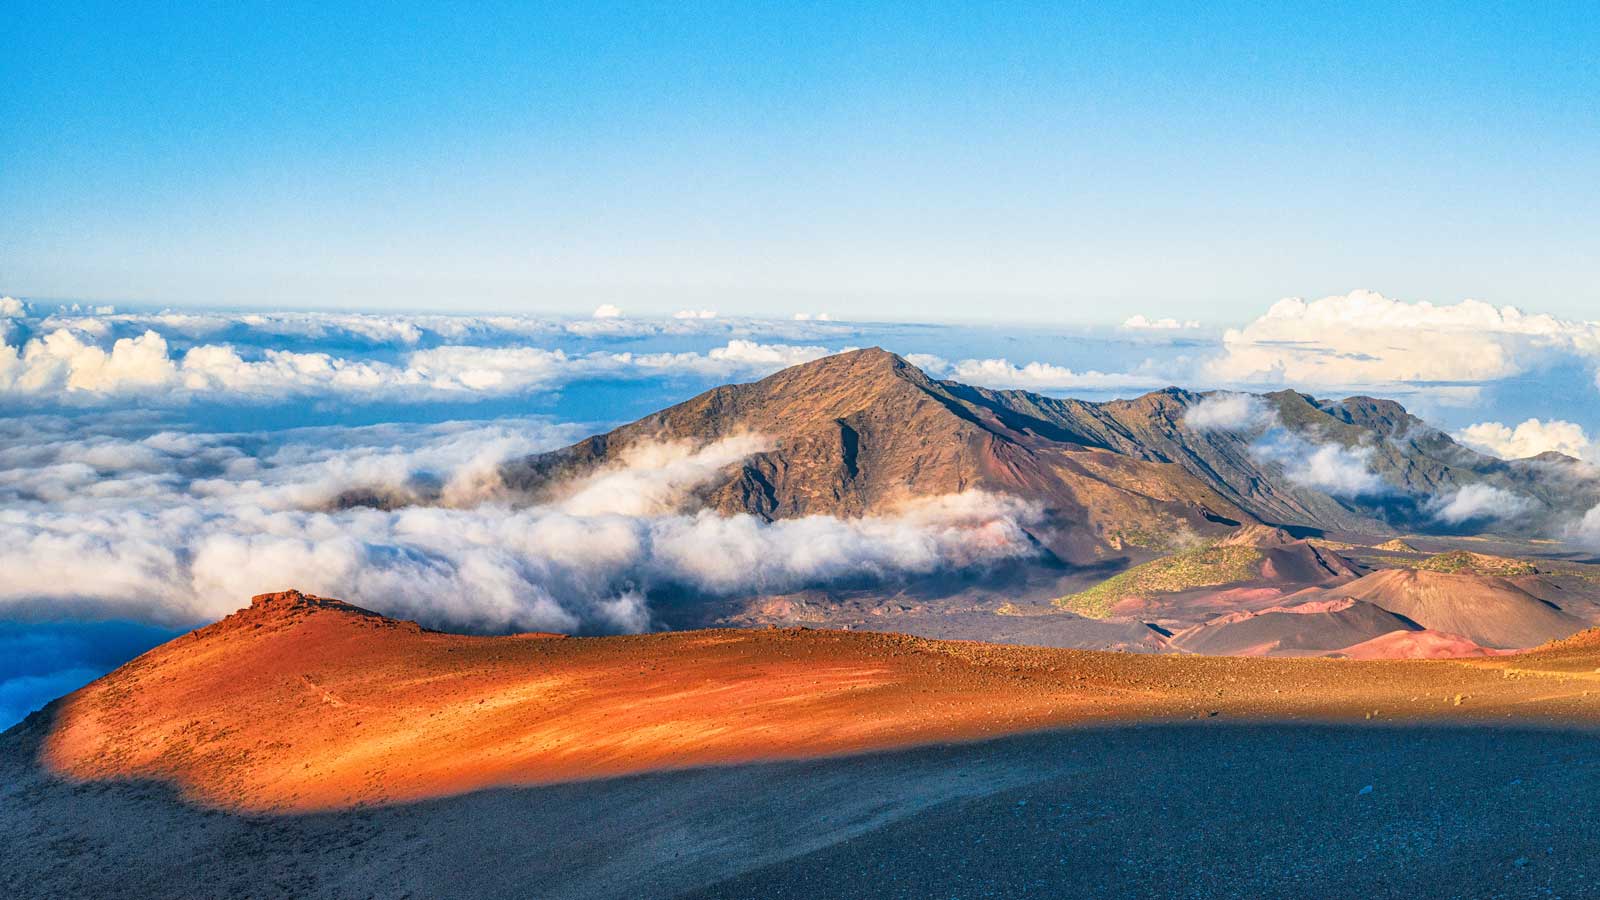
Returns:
<point x="176" y="528"/>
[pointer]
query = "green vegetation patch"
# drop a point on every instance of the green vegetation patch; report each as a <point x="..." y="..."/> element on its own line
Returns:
<point x="1396" y="546"/>
<point x="1182" y="571"/>
<point x="1458" y="562"/>
<point x="1146" y="538"/>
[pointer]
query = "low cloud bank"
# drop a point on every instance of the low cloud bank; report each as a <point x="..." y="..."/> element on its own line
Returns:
<point x="1478" y="503"/>
<point x="1002" y="374"/>
<point x="66" y="366"/>
<point x="177" y="528"/>
<point x="1142" y="322"/>
<point x="413" y="329"/>
<point x="1365" y="338"/>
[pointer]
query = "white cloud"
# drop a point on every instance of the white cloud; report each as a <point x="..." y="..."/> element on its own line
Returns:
<point x="1033" y="376"/>
<point x="1334" y="469"/>
<point x="177" y="528"/>
<point x="695" y="314"/>
<point x="607" y="311"/>
<point x="12" y="308"/>
<point x="753" y="355"/>
<point x="1365" y="338"/>
<point x="812" y="317"/>
<point x="346" y="330"/>
<point x="1229" y="411"/>
<point x="653" y="479"/>
<point x="1530" y="438"/>
<point x="61" y="365"/>
<point x="1478" y="501"/>
<point x="1141" y="322"/>
<point x="63" y="361"/>
<point x="736" y="554"/>
<point x="1586" y="532"/>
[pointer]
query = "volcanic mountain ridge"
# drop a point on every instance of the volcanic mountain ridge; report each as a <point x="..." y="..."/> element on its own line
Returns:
<point x="864" y="431"/>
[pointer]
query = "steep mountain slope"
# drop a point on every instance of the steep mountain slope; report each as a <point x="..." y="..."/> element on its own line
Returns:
<point x="1414" y="461"/>
<point x="862" y="432"/>
<point x="859" y="432"/>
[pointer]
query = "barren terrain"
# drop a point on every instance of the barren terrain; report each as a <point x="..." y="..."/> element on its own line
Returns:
<point x="306" y="748"/>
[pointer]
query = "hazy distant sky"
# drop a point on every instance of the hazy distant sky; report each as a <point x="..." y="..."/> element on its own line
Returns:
<point x="918" y="161"/>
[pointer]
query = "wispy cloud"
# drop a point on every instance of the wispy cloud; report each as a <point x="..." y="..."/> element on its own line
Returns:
<point x="1141" y="322"/>
<point x="1230" y="411"/>
<point x="1479" y="502"/>
<point x="1334" y="469"/>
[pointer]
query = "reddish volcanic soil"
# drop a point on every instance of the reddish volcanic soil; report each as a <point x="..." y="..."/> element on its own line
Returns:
<point x="1419" y="645"/>
<point x="300" y="704"/>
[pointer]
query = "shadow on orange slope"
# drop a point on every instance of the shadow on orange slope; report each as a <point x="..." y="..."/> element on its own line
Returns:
<point x="1213" y="808"/>
<point x="300" y="703"/>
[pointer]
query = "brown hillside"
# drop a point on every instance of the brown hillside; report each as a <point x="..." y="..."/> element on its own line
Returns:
<point x="1488" y="610"/>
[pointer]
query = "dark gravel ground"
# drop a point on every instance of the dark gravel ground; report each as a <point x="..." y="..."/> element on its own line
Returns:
<point x="1243" y="812"/>
<point x="1205" y="810"/>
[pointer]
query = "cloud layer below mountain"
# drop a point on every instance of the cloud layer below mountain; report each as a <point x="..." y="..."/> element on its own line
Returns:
<point x="177" y="528"/>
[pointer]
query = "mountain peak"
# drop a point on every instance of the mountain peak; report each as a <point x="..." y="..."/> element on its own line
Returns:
<point x="288" y="607"/>
<point x="293" y="601"/>
<point x="852" y="369"/>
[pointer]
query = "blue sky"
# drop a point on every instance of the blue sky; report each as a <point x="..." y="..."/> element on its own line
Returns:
<point x="1056" y="162"/>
